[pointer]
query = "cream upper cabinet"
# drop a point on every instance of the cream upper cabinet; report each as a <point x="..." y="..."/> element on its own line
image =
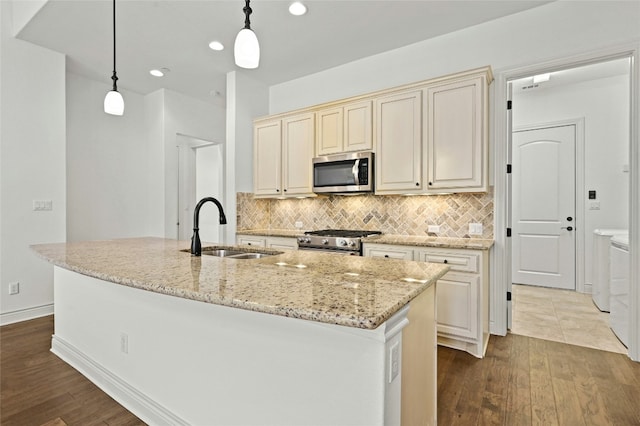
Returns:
<point x="456" y="135"/>
<point x="344" y="129"/>
<point x="398" y="135"/>
<point x="283" y="149"/>
<point x="267" y="153"/>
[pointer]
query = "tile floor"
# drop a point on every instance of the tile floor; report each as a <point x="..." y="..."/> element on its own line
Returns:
<point x="562" y="316"/>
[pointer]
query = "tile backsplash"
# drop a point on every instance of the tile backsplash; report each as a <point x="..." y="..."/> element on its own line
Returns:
<point x="390" y="214"/>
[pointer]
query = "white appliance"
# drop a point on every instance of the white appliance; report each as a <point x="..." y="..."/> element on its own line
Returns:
<point x="601" y="261"/>
<point x="619" y="290"/>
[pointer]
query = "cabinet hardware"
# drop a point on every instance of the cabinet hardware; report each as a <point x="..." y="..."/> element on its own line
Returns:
<point x="569" y="219"/>
<point x="445" y="261"/>
<point x="430" y="184"/>
<point x="568" y="228"/>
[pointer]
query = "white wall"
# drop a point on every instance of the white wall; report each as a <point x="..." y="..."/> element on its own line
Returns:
<point x="192" y="117"/>
<point x="32" y="134"/>
<point x="246" y="100"/>
<point x="551" y="31"/>
<point x="107" y="170"/>
<point x="604" y="105"/>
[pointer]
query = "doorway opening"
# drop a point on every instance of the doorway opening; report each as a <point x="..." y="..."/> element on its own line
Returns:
<point x="200" y="174"/>
<point x="569" y="134"/>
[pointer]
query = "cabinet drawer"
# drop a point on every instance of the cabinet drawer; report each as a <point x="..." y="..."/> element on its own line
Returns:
<point x="391" y="252"/>
<point x="461" y="262"/>
<point x="251" y="241"/>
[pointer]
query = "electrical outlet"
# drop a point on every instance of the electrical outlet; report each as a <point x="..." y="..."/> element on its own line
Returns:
<point x="475" y="229"/>
<point x="394" y="364"/>
<point x="298" y="224"/>
<point x="433" y="229"/>
<point x="124" y="343"/>
<point x="14" y="288"/>
<point x="42" y="205"/>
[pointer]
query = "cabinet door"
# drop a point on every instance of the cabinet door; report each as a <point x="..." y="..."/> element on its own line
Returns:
<point x="330" y="131"/>
<point x="457" y="305"/>
<point x="298" y="138"/>
<point x="267" y="158"/>
<point x="455" y="136"/>
<point x="398" y="143"/>
<point x="357" y="127"/>
<point x="250" y="240"/>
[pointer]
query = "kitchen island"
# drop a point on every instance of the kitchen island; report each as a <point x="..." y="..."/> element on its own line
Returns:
<point x="295" y="338"/>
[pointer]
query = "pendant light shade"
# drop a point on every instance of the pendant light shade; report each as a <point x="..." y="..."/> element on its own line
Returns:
<point x="113" y="102"/>
<point x="246" y="49"/>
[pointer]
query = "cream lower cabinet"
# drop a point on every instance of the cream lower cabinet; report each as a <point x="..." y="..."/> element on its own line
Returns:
<point x="269" y="242"/>
<point x="283" y="149"/>
<point x="462" y="295"/>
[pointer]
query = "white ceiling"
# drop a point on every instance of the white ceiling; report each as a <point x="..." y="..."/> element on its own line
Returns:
<point x="175" y="34"/>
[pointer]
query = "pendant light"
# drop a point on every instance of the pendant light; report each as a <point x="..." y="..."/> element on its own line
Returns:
<point x="113" y="102"/>
<point x="246" y="48"/>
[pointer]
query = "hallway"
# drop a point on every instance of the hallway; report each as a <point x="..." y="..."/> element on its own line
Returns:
<point x="562" y="316"/>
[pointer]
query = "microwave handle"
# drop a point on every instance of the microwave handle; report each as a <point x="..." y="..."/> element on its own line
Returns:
<point x="355" y="170"/>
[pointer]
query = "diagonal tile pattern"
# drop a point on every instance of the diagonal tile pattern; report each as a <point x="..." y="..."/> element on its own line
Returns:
<point x="562" y="316"/>
<point x="400" y="215"/>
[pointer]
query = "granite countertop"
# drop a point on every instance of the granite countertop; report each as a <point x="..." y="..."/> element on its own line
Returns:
<point x="404" y="240"/>
<point x="345" y="290"/>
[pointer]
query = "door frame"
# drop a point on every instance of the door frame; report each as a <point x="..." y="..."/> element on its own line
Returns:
<point x="580" y="188"/>
<point x="501" y="260"/>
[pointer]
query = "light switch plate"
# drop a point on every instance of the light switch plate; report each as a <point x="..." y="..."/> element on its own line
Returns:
<point x="433" y="229"/>
<point x="475" y="229"/>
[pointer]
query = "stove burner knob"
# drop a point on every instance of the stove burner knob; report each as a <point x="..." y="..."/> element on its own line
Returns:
<point x="301" y="239"/>
<point x="342" y="243"/>
<point x="307" y="240"/>
<point x="352" y="243"/>
<point x="325" y="241"/>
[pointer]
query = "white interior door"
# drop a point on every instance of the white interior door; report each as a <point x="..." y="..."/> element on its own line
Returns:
<point x="543" y="207"/>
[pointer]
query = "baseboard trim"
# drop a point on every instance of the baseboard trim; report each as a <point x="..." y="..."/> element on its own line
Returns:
<point x="26" y="314"/>
<point x="133" y="400"/>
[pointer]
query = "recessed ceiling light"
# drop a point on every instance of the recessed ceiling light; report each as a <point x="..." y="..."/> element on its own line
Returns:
<point x="540" y="78"/>
<point x="159" y="72"/>
<point x="297" y="8"/>
<point x="216" y="45"/>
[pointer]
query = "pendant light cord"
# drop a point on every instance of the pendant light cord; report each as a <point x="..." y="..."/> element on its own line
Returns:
<point x="247" y="11"/>
<point x="114" y="77"/>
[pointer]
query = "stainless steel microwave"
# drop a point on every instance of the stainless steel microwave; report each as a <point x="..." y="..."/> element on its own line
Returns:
<point x="343" y="173"/>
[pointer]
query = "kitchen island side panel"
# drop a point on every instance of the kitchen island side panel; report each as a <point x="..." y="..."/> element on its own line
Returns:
<point x="208" y="364"/>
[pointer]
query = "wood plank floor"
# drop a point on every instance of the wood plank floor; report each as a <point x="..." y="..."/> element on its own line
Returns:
<point x="522" y="381"/>
<point x="37" y="387"/>
<point x="527" y="381"/>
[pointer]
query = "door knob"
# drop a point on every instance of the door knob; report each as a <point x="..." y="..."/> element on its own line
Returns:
<point x="569" y="219"/>
<point x="568" y="228"/>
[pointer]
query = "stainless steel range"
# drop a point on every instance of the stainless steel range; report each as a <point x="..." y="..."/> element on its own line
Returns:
<point x="339" y="241"/>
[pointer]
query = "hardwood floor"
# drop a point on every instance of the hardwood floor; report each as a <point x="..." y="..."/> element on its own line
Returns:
<point x="38" y="388"/>
<point x="522" y="381"/>
<point x="528" y="381"/>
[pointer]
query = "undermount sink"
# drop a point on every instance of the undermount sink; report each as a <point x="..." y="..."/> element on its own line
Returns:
<point x="233" y="253"/>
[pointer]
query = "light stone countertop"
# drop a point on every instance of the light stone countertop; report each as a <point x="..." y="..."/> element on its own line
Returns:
<point x="345" y="290"/>
<point x="403" y="240"/>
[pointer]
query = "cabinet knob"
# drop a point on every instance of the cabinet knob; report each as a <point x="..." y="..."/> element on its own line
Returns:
<point x="277" y="190"/>
<point x="445" y="261"/>
<point x="417" y="183"/>
<point x="285" y="190"/>
<point x="386" y="255"/>
<point x="568" y="228"/>
<point x="569" y="219"/>
<point x="430" y="183"/>
<point x="248" y="244"/>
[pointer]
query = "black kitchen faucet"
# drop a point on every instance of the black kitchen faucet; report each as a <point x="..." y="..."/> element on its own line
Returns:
<point x="196" y="246"/>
